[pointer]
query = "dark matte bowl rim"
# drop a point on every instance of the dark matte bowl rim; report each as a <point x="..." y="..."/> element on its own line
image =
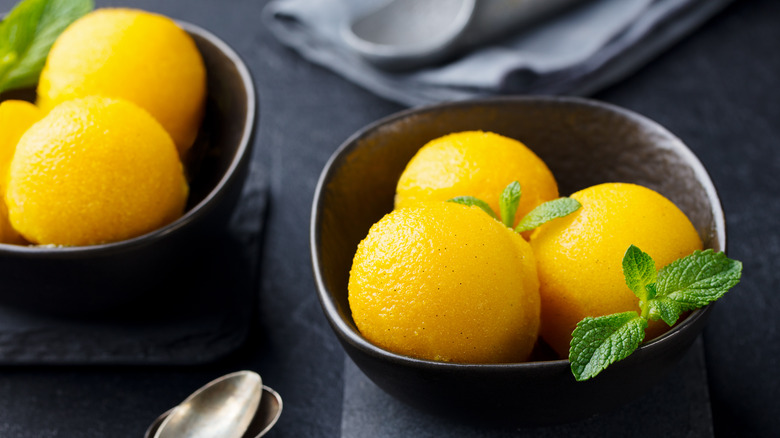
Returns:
<point x="351" y="336"/>
<point x="194" y="213"/>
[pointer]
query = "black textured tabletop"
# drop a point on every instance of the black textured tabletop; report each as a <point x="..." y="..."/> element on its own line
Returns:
<point x="716" y="89"/>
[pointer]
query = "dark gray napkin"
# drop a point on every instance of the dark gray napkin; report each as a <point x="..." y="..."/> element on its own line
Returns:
<point x="577" y="51"/>
<point x="678" y="406"/>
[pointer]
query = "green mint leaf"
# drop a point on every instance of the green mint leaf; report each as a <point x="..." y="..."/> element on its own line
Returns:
<point x="666" y="309"/>
<point x="27" y="34"/>
<point x="470" y="200"/>
<point x="508" y="202"/>
<point x="546" y="212"/>
<point x="598" y="342"/>
<point x="698" y="279"/>
<point x="639" y="272"/>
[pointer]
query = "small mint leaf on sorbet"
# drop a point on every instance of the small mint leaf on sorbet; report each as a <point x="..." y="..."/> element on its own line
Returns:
<point x="546" y="212"/>
<point x="470" y="200"/>
<point x="598" y="342"/>
<point x="510" y="199"/>
<point x="508" y="202"/>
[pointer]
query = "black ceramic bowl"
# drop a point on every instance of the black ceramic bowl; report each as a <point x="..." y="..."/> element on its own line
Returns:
<point x="100" y="278"/>
<point x="584" y="143"/>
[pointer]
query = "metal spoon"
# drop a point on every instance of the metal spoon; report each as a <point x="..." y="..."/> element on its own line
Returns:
<point x="405" y="34"/>
<point x="224" y="407"/>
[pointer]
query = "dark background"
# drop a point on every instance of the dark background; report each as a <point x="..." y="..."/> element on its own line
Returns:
<point x="717" y="90"/>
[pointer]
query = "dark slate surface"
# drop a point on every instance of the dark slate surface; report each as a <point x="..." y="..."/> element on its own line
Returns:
<point x="717" y="90"/>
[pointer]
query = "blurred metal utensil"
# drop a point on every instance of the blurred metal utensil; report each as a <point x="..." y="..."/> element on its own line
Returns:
<point x="405" y="34"/>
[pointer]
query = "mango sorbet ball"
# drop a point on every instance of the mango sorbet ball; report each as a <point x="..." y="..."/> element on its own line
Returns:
<point x="479" y="164"/>
<point x="579" y="257"/>
<point x="446" y="282"/>
<point x="15" y="117"/>
<point x="94" y="170"/>
<point x="133" y="55"/>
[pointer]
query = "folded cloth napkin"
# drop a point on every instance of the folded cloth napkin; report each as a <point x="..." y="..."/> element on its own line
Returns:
<point x="577" y="51"/>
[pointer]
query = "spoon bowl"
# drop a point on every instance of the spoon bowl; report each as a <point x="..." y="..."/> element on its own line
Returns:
<point x="267" y="415"/>
<point x="224" y="407"/>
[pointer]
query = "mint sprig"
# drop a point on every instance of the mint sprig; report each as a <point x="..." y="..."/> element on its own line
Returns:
<point x="510" y="199"/>
<point x="27" y="34"/>
<point x="685" y="284"/>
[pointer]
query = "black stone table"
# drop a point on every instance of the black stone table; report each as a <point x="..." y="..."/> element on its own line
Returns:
<point x="717" y="90"/>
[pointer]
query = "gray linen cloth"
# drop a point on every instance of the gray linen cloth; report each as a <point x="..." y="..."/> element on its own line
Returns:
<point x="577" y="51"/>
